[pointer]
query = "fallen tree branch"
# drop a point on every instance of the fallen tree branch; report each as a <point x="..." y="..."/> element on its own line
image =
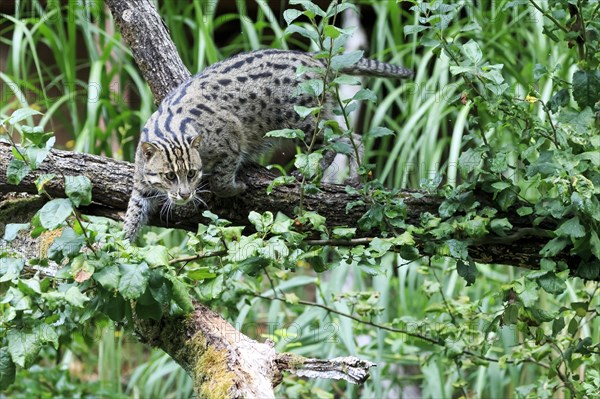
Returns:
<point x="221" y="360"/>
<point x="112" y="182"/>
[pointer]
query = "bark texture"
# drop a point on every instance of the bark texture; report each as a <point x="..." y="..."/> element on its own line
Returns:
<point x="222" y="361"/>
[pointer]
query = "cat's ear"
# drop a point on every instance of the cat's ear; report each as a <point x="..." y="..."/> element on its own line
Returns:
<point x="149" y="149"/>
<point x="196" y="141"/>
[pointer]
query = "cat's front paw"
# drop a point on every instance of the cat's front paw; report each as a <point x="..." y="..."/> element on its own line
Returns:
<point x="230" y="190"/>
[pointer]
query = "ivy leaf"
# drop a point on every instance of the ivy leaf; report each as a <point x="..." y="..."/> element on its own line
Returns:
<point x="346" y="60"/>
<point x="586" y="88"/>
<point x="500" y="226"/>
<point x="7" y="369"/>
<point x="66" y="246"/>
<point x="262" y="222"/>
<point x="571" y="228"/>
<point x="551" y="283"/>
<point x="595" y="244"/>
<point x="473" y="52"/>
<point x="75" y="297"/>
<point x="157" y="255"/>
<point x="180" y="294"/>
<point x="344" y="232"/>
<point x="55" y="212"/>
<point x="12" y="230"/>
<point x="457" y="249"/>
<point x="10" y="268"/>
<point x="372" y="218"/>
<point x="134" y="279"/>
<point x="365" y="94"/>
<point x="286" y="133"/>
<point x="554" y="246"/>
<point x="23" y="347"/>
<point x="16" y="171"/>
<point x="467" y="271"/>
<point x="560" y="99"/>
<point x="108" y="276"/>
<point x="511" y="314"/>
<point x="78" y="189"/>
<point x="42" y="180"/>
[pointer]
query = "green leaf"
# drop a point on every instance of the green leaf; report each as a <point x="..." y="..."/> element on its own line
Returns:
<point x="500" y="226"/>
<point x="472" y="52"/>
<point x="75" y="297"/>
<point x="571" y="228"/>
<point x="11" y="230"/>
<point x="262" y="222"/>
<point x="134" y="279"/>
<point x="55" y="212"/>
<point x="580" y="308"/>
<point x="595" y="244"/>
<point x="23" y="347"/>
<point x="10" y="268"/>
<point x="308" y="5"/>
<point x="346" y="60"/>
<point x="7" y="369"/>
<point x="308" y="164"/>
<point x="467" y="271"/>
<point x="290" y="15"/>
<point x="157" y="255"/>
<point x="586" y="88"/>
<point x="21" y="114"/>
<point x="372" y="218"/>
<point x="344" y="232"/>
<point x="347" y="80"/>
<point x="16" y="171"/>
<point x="524" y="211"/>
<point x="557" y="325"/>
<point x="457" y="249"/>
<point x="552" y="284"/>
<point x="180" y="295"/>
<point x="560" y="99"/>
<point x="286" y="133"/>
<point x="380" y="132"/>
<point x="380" y="246"/>
<point x="108" y="276"/>
<point x="66" y="246"/>
<point x="554" y="246"/>
<point x="506" y="198"/>
<point x="365" y="94"/>
<point x="78" y="189"/>
<point x="42" y="180"/>
<point x="305" y="111"/>
<point x="310" y="34"/>
<point x="37" y="155"/>
<point x="412" y="29"/>
<point x="511" y="314"/>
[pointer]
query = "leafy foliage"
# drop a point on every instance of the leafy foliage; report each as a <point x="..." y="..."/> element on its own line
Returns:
<point x="525" y="134"/>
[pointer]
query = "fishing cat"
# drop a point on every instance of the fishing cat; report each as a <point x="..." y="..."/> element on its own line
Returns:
<point x="215" y="122"/>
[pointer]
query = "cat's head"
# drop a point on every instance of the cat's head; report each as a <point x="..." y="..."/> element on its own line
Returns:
<point x="173" y="169"/>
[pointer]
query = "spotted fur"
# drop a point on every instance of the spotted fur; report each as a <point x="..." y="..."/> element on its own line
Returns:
<point x="215" y="122"/>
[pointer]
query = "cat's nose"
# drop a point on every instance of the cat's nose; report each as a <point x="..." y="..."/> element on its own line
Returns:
<point x="184" y="194"/>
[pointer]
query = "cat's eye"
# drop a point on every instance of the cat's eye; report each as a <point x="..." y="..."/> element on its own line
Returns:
<point x="191" y="174"/>
<point x="171" y="176"/>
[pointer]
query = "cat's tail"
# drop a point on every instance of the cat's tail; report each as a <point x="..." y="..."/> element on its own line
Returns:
<point x="369" y="67"/>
